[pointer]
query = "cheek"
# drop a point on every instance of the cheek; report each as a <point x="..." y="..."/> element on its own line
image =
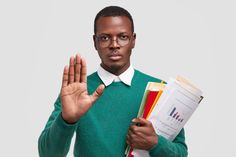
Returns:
<point x="127" y="53"/>
<point x="102" y="56"/>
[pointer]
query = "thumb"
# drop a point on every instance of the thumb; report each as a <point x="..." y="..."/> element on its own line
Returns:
<point x="97" y="93"/>
<point x="140" y="121"/>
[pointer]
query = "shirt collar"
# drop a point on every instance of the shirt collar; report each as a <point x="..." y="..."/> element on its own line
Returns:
<point x="107" y="77"/>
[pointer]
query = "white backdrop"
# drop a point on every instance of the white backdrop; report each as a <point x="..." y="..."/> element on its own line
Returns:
<point x="193" y="38"/>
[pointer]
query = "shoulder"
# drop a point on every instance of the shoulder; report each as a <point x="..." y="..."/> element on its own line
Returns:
<point x="140" y="76"/>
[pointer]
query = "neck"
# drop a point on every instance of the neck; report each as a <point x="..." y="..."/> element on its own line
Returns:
<point x="116" y="70"/>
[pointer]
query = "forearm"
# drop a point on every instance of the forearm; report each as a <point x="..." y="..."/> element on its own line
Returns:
<point x="167" y="148"/>
<point x="55" y="139"/>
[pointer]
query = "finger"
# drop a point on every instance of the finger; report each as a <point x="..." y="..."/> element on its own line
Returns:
<point x="77" y="68"/>
<point x="140" y="130"/>
<point x="133" y="135"/>
<point x="135" y="130"/>
<point x="97" y="93"/>
<point x="127" y="137"/>
<point x="133" y="139"/>
<point x="65" y="76"/>
<point x="141" y="121"/>
<point x="130" y="137"/>
<point x="128" y="140"/>
<point x="71" y="70"/>
<point x="83" y="71"/>
<point x="132" y="129"/>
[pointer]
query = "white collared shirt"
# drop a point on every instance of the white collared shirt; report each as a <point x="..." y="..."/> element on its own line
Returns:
<point x="107" y="77"/>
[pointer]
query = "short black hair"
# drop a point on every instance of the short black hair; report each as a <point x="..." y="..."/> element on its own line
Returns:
<point x="113" y="11"/>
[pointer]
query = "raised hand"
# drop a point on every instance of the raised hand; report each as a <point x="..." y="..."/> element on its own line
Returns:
<point x="74" y="95"/>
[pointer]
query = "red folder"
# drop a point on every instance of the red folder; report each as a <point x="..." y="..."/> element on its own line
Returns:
<point x="149" y="102"/>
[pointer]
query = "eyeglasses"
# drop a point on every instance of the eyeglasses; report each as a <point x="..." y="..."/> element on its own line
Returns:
<point x="105" y="40"/>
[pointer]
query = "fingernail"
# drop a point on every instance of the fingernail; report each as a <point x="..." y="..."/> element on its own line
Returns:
<point x="138" y="124"/>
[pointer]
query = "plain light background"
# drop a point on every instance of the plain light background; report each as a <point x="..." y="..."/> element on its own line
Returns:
<point x="195" y="39"/>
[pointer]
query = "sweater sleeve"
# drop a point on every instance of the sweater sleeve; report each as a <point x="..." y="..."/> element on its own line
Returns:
<point x="55" y="139"/>
<point x="166" y="148"/>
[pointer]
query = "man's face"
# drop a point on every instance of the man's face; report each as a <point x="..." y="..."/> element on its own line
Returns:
<point x="114" y="41"/>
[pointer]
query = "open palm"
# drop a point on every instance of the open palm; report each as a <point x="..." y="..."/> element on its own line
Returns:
<point x="74" y="95"/>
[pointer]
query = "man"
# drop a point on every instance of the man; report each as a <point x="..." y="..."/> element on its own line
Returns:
<point x="101" y="107"/>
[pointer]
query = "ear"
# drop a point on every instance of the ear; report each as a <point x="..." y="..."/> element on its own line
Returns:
<point x="133" y="40"/>
<point x="94" y="42"/>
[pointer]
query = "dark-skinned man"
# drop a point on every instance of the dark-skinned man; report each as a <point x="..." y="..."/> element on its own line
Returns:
<point x="101" y="108"/>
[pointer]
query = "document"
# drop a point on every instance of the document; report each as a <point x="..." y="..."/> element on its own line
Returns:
<point x="177" y="102"/>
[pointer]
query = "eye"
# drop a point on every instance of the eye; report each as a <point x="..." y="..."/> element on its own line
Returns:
<point x="104" y="38"/>
<point x="124" y="37"/>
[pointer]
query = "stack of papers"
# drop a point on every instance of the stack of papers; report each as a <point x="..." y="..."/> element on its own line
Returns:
<point x="168" y="106"/>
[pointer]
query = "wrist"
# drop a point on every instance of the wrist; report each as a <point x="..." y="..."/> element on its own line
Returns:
<point x="68" y="120"/>
<point x="155" y="142"/>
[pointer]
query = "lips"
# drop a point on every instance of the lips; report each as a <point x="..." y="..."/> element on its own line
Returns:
<point x="115" y="57"/>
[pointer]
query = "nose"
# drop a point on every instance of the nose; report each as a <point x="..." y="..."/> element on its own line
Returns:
<point x="114" y="44"/>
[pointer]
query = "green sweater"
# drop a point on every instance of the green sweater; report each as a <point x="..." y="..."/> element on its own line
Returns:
<point x="102" y="131"/>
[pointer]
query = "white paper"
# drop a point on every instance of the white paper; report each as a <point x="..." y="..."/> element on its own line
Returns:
<point x="173" y="109"/>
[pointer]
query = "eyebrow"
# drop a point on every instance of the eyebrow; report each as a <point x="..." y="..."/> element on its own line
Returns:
<point x="111" y="35"/>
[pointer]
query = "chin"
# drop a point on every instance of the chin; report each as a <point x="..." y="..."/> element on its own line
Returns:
<point x="115" y="66"/>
